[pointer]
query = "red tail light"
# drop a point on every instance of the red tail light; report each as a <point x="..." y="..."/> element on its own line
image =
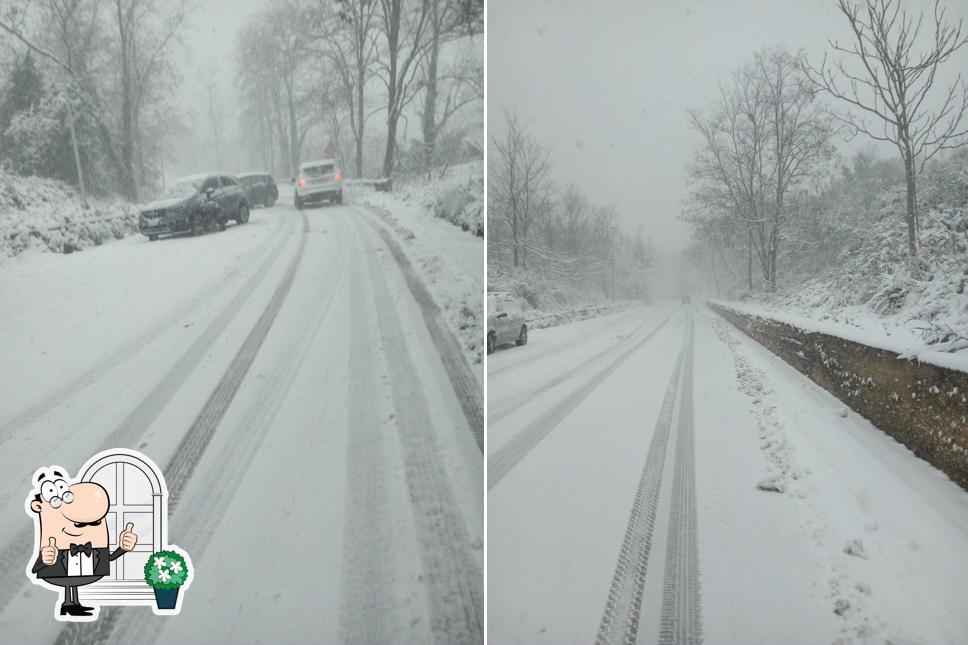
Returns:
<point x="302" y="181"/>
<point x="337" y="176"/>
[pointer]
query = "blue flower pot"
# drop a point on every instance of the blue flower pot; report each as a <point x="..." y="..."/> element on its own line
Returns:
<point x="166" y="598"/>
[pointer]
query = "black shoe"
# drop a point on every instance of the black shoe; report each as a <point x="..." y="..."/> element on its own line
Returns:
<point x="75" y="610"/>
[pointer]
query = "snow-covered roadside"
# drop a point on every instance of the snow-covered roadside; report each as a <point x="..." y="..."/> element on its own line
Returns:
<point x="864" y="537"/>
<point x="539" y="319"/>
<point x="450" y="262"/>
<point x="862" y="326"/>
<point x="47" y="215"/>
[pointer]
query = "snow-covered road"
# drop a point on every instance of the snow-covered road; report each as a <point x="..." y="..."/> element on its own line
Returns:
<point x="321" y="467"/>
<point x="655" y="475"/>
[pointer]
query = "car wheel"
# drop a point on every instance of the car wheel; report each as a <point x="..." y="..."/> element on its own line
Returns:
<point x="152" y="238"/>
<point x="270" y="202"/>
<point x="523" y="336"/>
<point x="243" y="215"/>
<point x="490" y="343"/>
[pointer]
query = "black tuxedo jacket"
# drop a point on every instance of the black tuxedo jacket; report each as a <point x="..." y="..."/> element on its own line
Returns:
<point x="101" y="559"/>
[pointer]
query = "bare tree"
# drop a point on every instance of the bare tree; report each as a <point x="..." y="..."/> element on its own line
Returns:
<point x="892" y="83"/>
<point x="763" y="139"/>
<point x="448" y="20"/>
<point x="64" y="14"/>
<point x="349" y="39"/>
<point x="518" y="182"/>
<point x="404" y="25"/>
<point x="145" y="33"/>
<point x="216" y="116"/>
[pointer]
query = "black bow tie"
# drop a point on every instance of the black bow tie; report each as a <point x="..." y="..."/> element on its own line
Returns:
<point x="79" y="548"/>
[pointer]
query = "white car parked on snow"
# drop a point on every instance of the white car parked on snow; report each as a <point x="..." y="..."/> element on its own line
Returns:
<point x="505" y="321"/>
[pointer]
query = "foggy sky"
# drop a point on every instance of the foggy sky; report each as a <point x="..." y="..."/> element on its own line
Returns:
<point x="607" y="85"/>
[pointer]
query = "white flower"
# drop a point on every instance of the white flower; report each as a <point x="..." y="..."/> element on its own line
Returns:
<point x="159" y="562"/>
<point x="164" y="576"/>
<point x="176" y="567"/>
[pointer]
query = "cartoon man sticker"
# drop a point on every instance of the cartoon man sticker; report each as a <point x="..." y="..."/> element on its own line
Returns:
<point x="73" y="549"/>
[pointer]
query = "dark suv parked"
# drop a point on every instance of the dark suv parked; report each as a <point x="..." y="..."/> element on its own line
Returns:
<point x="195" y="205"/>
<point x="260" y="188"/>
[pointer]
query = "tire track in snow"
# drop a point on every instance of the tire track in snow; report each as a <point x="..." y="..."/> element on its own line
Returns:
<point x="453" y="582"/>
<point x="681" y="620"/>
<point x="462" y="379"/>
<point x="510" y="454"/>
<point x="620" y="620"/>
<point x="367" y="599"/>
<point x="525" y="397"/>
<point x="200" y="520"/>
<point x="144" y="414"/>
<point x="62" y="395"/>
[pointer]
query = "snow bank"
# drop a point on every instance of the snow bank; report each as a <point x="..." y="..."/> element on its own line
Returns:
<point x="548" y="302"/>
<point x="450" y="262"/>
<point x="48" y="215"/>
<point x="871" y="295"/>
<point x="455" y="195"/>
<point x="921" y="405"/>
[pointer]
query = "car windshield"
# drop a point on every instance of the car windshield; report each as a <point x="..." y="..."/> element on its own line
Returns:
<point x="184" y="188"/>
<point x="318" y="171"/>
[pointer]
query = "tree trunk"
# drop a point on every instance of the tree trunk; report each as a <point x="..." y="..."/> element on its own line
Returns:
<point x="912" y="205"/>
<point x="391" y="143"/>
<point x="429" y="115"/>
<point x="749" y="260"/>
<point x="360" y="115"/>
<point x="293" y="131"/>
<point x="514" y="245"/>
<point x="127" y="100"/>
<point x="77" y="153"/>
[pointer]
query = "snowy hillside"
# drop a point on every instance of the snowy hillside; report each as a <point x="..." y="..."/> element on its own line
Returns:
<point x="47" y="214"/>
<point x="455" y="194"/>
<point x="873" y="292"/>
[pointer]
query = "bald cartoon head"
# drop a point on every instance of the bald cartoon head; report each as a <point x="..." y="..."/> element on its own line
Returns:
<point x="72" y="513"/>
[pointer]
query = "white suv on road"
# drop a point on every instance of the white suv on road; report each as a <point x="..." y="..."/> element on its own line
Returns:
<point x="318" y="180"/>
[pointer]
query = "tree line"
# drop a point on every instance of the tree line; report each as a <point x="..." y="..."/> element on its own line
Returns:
<point x="325" y="69"/>
<point x="88" y="88"/>
<point x="763" y="186"/>
<point x="544" y="232"/>
<point x="85" y="97"/>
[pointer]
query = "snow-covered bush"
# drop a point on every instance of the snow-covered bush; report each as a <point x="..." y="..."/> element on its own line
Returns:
<point x="457" y="195"/>
<point x="47" y="214"/>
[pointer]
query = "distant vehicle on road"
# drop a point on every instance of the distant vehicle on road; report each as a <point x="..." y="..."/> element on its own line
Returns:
<point x="195" y="204"/>
<point x="505" y="321"/>
<point x="260" y="188"/>
<point x="318" y="180"/>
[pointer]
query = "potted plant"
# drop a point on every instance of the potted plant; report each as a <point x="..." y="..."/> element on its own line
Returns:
<point x="166" y="572"/>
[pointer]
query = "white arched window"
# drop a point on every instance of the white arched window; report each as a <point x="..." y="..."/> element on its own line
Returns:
<point x="138" y="496"/>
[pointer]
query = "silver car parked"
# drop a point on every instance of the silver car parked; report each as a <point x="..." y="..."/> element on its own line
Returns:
<point x="505" y="321"/>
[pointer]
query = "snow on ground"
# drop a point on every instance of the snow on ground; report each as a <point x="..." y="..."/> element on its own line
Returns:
<point x="871" y="295"/>
<point x="45" y="214"/>
<point x="865" y="543"/>
<point x="344" y="452"/>
<point x="449" y="261"/>
<point x="861" y="325"/>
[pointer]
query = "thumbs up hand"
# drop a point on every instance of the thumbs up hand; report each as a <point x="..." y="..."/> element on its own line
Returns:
<point x="127" y="540"/>
<point x="48" y="554"/>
